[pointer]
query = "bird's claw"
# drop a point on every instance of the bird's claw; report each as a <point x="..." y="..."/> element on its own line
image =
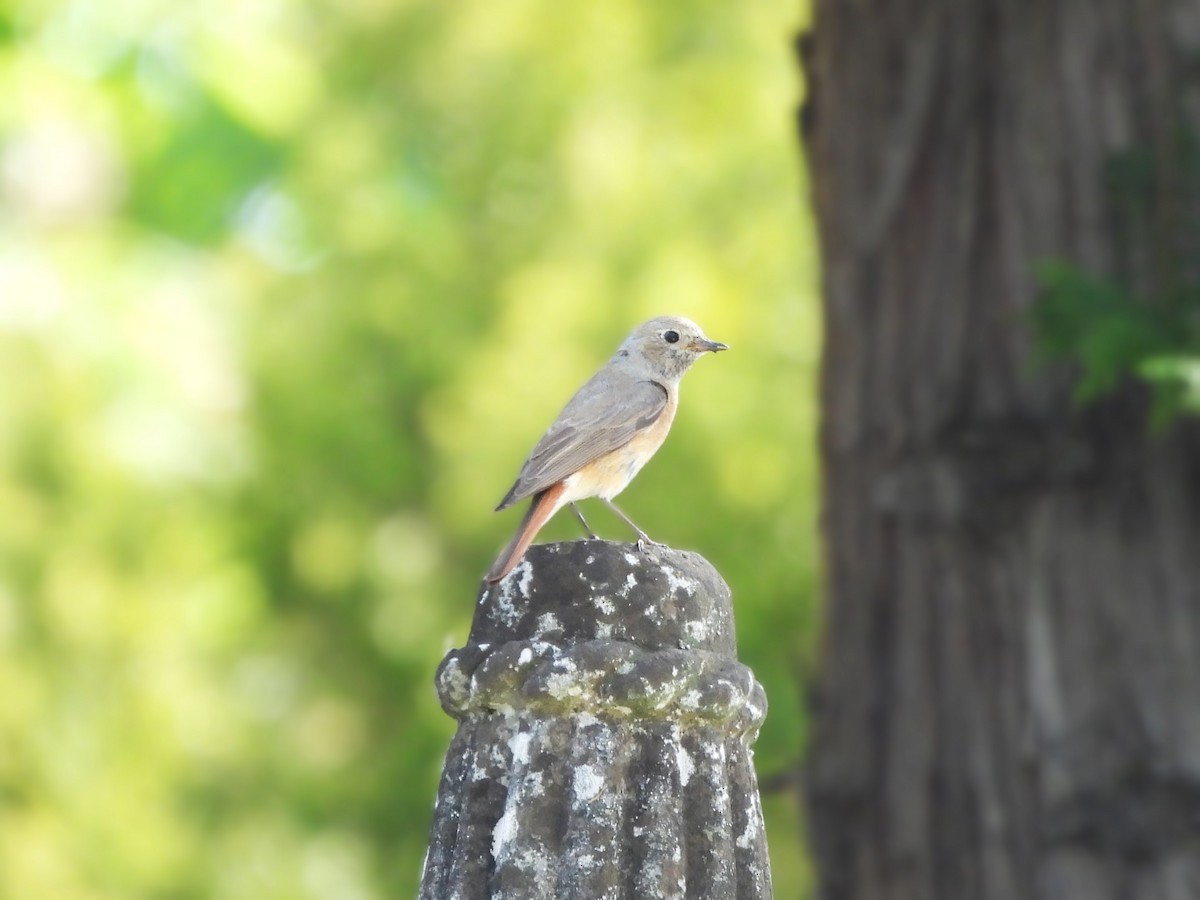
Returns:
<point x="645" y="544"/>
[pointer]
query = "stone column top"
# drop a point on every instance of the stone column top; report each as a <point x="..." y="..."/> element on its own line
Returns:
<point x="603" y="747"/>
<point x="609" y="630"/>
<point x="589" y="590"/>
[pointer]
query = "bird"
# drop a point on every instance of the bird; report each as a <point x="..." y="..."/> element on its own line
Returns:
<point x="607" y="431"/>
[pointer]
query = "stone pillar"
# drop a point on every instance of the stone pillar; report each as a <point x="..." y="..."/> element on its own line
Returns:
<point x="604" y="734"/>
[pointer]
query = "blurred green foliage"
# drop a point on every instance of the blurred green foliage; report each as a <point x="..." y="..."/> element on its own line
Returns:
<point x="1113" y="335"/>
<point x="287" y="291"/>
<point x="1141" y="322"/>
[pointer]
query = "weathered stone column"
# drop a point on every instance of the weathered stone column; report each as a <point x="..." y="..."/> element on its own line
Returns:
<point x="604" y="733"/>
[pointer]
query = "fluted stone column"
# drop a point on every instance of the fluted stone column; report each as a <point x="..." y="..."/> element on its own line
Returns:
<point x="604" y="734"/>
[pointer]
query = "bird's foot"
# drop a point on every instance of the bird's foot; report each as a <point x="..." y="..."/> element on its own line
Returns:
<point x="645" y="544"/>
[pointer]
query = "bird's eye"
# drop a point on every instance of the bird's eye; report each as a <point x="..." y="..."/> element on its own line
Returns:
<point x="671" y="337"/>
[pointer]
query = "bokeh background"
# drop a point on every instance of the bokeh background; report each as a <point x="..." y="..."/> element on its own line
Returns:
<point x="288" y="288"/>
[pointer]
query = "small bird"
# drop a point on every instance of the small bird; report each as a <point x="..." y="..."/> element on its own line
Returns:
<point x="606" y="432"/>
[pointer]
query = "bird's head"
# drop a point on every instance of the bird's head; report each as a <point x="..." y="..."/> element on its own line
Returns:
<point x="667" y="346"/>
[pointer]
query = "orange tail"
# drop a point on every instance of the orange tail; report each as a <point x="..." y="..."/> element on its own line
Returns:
<point x="544" y="505"/>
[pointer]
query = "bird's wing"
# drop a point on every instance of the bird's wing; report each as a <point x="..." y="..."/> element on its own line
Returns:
<point x="603" y="415"/>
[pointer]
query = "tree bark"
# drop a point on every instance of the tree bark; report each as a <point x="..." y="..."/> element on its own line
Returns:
<point x="1009" y="701"/>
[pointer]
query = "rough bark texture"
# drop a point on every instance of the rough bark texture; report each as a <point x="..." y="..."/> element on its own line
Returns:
<point x="1009" y="706"/>
<point x="603" y="746"/>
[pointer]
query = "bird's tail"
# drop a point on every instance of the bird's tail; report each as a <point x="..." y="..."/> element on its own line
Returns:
<point x="544" y="505"/>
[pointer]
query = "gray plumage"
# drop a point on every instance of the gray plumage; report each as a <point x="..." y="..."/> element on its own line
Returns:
<point x="626" y="396"/>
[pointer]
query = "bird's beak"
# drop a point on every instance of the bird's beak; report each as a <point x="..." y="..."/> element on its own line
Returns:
<point x="704" y="345"/>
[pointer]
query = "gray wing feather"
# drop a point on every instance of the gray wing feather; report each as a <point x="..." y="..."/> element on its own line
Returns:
<point x="603" y="415"/>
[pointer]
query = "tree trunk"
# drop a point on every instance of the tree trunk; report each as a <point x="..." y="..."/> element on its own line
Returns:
<point x="1009" y="700"/>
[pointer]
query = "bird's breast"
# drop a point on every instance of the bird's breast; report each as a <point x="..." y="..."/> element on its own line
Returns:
<point x="608" y="475"/>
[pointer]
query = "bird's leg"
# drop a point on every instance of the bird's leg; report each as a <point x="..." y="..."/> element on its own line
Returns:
<point x="644" y="539"/>
<point x="582" y="521"/>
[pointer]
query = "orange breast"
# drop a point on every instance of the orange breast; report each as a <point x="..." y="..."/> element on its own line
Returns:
<point x="610" y="474"/>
